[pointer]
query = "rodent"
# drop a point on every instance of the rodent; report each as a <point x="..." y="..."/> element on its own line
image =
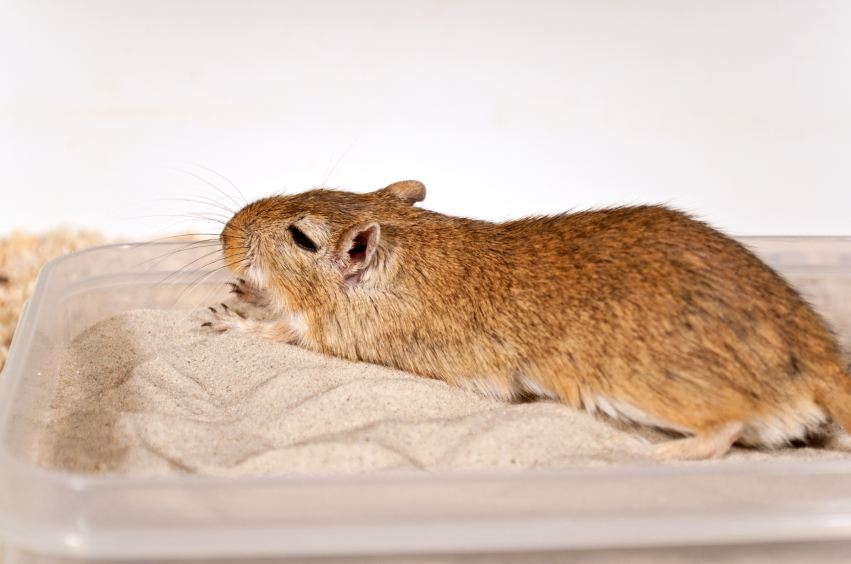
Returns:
<point x="642" y="313"/>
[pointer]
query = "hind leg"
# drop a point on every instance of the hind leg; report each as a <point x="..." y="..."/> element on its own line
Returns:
<point x="708" y="444"/>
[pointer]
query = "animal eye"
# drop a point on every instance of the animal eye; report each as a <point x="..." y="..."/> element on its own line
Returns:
<point x="302" y="240"/>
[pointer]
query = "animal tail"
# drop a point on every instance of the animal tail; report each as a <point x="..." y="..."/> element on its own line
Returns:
<point x="835" y="395"/>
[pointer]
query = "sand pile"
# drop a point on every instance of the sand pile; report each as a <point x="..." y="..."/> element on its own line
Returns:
<point x="153" y="393"/>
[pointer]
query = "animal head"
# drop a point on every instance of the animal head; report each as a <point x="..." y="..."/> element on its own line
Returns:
<point x="304" y="246"/>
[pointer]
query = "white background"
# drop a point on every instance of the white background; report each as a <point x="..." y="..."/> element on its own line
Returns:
<point x="739" y="111"/>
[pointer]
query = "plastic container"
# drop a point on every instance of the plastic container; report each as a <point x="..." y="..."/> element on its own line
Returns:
<point x="753" y="513"/>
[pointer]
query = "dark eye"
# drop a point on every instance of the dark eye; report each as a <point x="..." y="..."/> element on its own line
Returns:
<point x="302" y="240"/>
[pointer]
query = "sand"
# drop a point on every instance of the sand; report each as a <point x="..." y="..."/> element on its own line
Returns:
<point x="151" y="392"/>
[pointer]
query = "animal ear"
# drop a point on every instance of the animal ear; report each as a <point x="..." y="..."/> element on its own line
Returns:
<point x="409" y="191"/>
<point x="357" y="250"/>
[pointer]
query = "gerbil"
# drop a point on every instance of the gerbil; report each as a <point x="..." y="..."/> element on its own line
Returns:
<point x="642" y="313"/>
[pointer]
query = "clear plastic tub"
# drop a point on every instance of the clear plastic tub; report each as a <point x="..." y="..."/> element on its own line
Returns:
<point x="753" y="513"/>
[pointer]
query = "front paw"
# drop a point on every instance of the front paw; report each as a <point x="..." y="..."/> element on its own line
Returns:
<point x="226" y="319"/>
<point x="249" y="293"/>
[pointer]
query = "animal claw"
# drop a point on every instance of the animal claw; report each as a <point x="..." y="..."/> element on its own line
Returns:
<point x="226" y="320"/>
<point x="248" y="293"/>
<point x="211" y="308"/>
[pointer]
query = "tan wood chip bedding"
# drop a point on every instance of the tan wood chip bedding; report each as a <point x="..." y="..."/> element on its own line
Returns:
<point x="22" y="254"/>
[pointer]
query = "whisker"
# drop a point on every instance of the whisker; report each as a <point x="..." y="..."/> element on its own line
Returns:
<point x="163" y="257"/>
<point x="213" y="289"/>
<point x="206" y="214"/>
<point x="192" y="245"/>
<point x="185" y="268"/>
<point x="223" y="178"/>
<point x="205" y="181"/>
<point x="221" y="209"/>
<point x="189" y="245"/>
<point x="200" y="199"/>
<point x="194" y="284"/>
<point x="200" y="279"/>
<point x="191" y="217"/>
<point x="330" y="171"/>
<point x="197" y="208"/>
<point x="218" y="212"/>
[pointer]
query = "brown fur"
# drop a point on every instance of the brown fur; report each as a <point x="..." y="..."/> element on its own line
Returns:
<point x="640" y="312"/>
